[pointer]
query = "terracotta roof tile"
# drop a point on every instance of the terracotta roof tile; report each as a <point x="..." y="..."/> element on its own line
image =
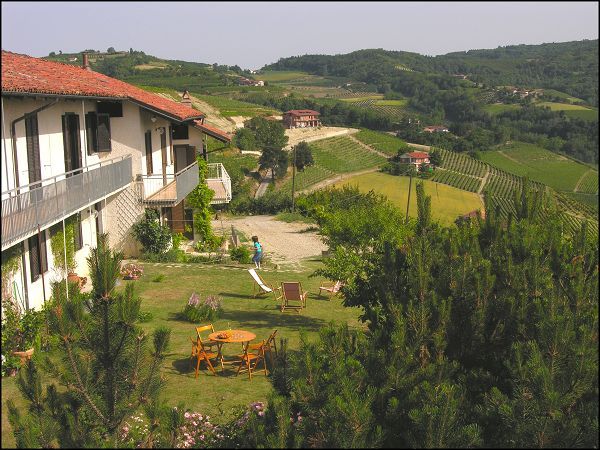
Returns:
<point x="25" y="74"/>
<point x="213" y="131"/>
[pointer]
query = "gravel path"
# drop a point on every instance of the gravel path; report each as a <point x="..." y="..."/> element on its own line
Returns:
<point x="286" y="244"/>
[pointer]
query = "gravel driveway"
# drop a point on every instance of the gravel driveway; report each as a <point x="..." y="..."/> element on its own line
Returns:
<point x="285" y="243"/>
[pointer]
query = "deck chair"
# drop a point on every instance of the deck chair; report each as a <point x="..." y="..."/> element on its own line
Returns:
<point x="263" y="288"/>
<point x="292" y="296"/>
<point x="333" y="289"/>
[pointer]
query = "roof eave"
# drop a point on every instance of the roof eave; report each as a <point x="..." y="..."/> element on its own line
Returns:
<point x="54" y="95"/>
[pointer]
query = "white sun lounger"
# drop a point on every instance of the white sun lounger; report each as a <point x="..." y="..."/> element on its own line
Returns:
<point x="263" y="288"/>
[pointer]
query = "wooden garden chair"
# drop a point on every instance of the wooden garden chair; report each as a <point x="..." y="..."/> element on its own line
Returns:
<point x="263" y="287"/>
<point x="270" y="344"/>
<point x="333" y="290"/>
<point x="207" y="344"/>
<point x="252" y="353"/>
<point x="292" y="296"/>
<point x="203" y="354"/>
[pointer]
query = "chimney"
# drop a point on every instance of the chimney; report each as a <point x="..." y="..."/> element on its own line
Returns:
<point x="85" y="62"/>
<point x="185" y="99"/>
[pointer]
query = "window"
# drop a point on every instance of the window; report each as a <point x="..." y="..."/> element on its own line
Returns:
<point x="180" y="132"/>
<point x="98" y="132"/>
<point x="33" y="148"/>
<point x="113" y="109"/>
<point x="38" y="260"/>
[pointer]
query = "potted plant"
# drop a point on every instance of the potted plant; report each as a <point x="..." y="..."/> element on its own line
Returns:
<point x="131" y="271"/>
<point x="20" y="333"/>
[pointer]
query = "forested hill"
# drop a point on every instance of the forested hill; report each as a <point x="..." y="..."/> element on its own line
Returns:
<point x="570" y="67"/>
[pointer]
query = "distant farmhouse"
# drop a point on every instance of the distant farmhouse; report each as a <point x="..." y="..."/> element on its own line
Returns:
<point x="436" y="129"/>
<point x="301" y="118"/>
<point x="243" y="81"/>
<point x="415" y="158"/>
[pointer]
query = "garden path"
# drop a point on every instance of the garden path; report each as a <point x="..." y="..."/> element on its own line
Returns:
<point x="286" y="244"/>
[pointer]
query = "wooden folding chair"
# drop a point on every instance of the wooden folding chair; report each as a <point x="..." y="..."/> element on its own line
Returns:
<point x="263" y="287"/>
<point x="252" y="352"/>
<point x="270" y="344"/>
<point x="292" y="296"/>
<point x="208" y="345"/>
<point x="203" y="354"/>
<point x="333" y="290"/>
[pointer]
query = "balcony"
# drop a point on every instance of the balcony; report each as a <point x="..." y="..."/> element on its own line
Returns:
<point x="219" y="182"/>
<point x="168" y="190"/>
<point x="44" y="203"/>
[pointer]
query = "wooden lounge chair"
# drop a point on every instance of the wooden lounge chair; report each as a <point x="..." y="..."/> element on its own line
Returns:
<point x="292" y="296"/>
<point x="333" y="289"/>
<point x="263" y="287"/>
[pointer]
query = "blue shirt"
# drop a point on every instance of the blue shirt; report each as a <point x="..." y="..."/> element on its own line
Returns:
<point x="258" y="247"/>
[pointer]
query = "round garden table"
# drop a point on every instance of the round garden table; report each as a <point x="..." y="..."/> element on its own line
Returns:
<point x="232" y="336"/>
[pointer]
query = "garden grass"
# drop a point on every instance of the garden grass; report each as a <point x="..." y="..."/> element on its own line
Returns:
<point x="217" y="396"/>
<point x="447" y="202"/>
<point x="539" y="164"/>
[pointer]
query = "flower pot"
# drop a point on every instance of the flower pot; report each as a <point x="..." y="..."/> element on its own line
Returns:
<point x="73" y="278"/>
<point x="25" y="356"/>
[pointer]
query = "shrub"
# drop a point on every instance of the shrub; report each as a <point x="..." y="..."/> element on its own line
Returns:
<point x="196" y="311"/>
<point x="154" y="237"/>
<point x="240" y="254"/>
<point x="144" y="317"/>
<point x="158" y="278"/>
<point x="272" y="202"/>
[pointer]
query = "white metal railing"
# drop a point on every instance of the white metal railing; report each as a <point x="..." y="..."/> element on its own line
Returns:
<point x="217" y="172"/>
<point x="185" y="181"/>
<point x="45" y="202"/>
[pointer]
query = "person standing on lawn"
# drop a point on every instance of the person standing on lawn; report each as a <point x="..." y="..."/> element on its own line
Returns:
<point x="258" y="252"/>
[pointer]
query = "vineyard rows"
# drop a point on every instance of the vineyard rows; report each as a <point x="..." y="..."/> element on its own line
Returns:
<point x="462" y="163"/>
<point x="589" y="184"/>
<point x="464" y="182"/>
<point x="342" y="154"/>
<point x="309" y="176"/>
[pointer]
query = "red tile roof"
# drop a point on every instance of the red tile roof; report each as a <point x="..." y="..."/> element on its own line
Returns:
<point x="302" y="112"/>
<point x="417" y="154"/>
<point x="212" y="131"/>
<point x="28" y="75"/>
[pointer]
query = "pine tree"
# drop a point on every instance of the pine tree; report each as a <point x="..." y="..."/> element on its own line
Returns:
<point x="106" y="369"/>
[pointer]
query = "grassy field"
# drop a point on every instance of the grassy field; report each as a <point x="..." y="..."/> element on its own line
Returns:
<point x="281" y="76"/>
<point x="539" y="164"/>
<point x="229" y="107"/>
<point x="381" y="141"/>
<point x="209" y="394"/>
<point x="581" y="112"/>
<point x="446" y="202"/>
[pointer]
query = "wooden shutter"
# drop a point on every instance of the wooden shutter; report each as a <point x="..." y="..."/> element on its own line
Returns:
<point x="91" y="127"/>
<point x="43" y="253"/>
<point x="33" y="149"/>
<point x="34" y="258"/>
<point x="149" y="168"/>
<point x="77" y="232"/>
<point x="104" y="141"/>
<point x="66" y="143"/>
<point x="163" y="152"/>
<point x="71" y="141"/>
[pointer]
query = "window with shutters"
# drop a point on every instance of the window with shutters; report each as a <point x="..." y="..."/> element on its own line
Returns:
<point x="70" y="125"/>
<point x="33" y="149"/>
<point x="148" y="138"/>
<point x="98" y="132"/>
<point x="38" y="260"/>
<point x="180" y="132"/>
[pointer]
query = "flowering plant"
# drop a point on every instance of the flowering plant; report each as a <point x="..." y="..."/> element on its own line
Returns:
<point x="131" y="271"/>
<point x="197" y="311"/>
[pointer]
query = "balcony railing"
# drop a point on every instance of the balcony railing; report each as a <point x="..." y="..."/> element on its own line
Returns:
<point x="46" y="202"/>
<point x="170" y="189"/>
<point x="219" y="181"/>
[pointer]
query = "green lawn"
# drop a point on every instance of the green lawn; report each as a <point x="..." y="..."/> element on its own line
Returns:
<point x="539" y="164"/>
<point x="447" y="202"/>
<point x="211" y="394"/>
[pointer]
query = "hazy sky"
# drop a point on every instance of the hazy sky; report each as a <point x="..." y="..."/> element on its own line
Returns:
<point x="252" y="34"/>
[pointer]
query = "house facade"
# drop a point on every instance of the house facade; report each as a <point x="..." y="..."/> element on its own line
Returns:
<point x="415" y="158"/>
<point x="436" y="129"/>
<point x="80" y="147"/>
<point x="301" y="118"/>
